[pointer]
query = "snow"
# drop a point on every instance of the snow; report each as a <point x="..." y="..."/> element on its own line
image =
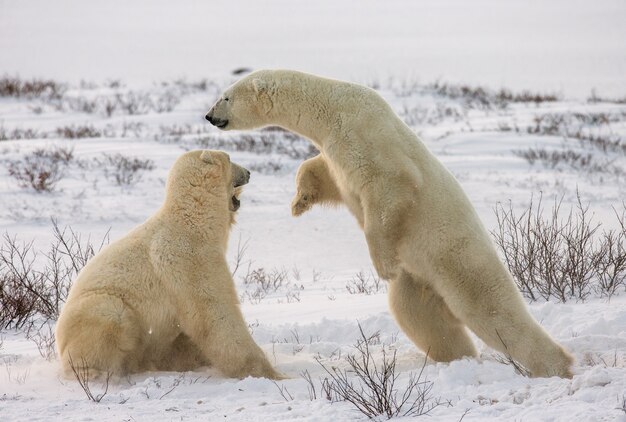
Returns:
<point x="565" y="47"/>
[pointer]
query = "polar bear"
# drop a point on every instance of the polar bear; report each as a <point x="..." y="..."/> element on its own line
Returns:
<point x="162" y="297"/>
<point x="423" y="234"/>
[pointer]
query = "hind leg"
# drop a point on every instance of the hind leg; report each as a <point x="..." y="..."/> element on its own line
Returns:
<point x="427" y="321"/>
<point x="99" y="335"/>
<point x="488" y="302"/>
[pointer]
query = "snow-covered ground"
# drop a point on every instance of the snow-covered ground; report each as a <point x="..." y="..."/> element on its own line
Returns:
<point x="398" y="48"/>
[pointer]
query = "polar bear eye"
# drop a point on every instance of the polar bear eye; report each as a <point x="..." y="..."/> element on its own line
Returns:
<point x="226" y="99"/>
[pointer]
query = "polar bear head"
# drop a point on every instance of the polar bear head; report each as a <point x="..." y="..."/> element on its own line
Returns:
<point x="245" y="104"/>
<point x="204" y="177"/>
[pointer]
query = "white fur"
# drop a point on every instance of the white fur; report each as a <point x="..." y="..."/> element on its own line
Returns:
<point x="162" y="297"/>
<point x="423" y="234"/>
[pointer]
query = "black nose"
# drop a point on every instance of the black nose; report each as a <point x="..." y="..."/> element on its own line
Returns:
<point x="209" y="117"/>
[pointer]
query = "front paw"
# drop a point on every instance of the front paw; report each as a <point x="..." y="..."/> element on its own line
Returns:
<point x="301" y="203"/>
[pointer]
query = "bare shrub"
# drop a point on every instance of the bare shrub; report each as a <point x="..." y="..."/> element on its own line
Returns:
<point x="561" y="257"/>
<point x="579" y="126"/>
<point x="261" y="283"/>
<point x="283" y="391"/>
<point x="267" y="167"/>
<point x="166" y="101"/>
<point x="611" y="262"/>
<point x="19" y="378"/>
<point x="32" y="285"/>
<point x="604" y="143"/>
<point x="595" y="98"/>
<point x="553" y="158"/>
<point x="78" y="104"/>
<point x="133" y="102"/>
<point x="471" y="97"/>
<point x="365" y="284"/>
<point x="123" y="170"/>
<point x="19" y="133"/>
<point x="81" y="372"/>
<point x="37" y="172"/>
<point x="42" y="334"/>
<point x="374" y="391"/>
<point x="420" y="115"/>
<point x="16" y="87"/>
<point x="175" y="133"/>
<point x="267" y="142"/>
<point x="506" y="96"/>
<point x="483" y="98"/>
<point x="77" y="132"/>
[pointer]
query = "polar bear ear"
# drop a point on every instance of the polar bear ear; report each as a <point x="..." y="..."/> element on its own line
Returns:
<point x="259" y="85"/>
<point x="206" y="157"/>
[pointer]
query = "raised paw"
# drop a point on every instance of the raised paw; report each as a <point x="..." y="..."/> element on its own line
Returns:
<point x="301" y="203"/>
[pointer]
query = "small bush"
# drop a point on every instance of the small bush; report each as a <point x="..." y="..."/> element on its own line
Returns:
<point x="32" y="285"/>
<point x="365" y="284"/>
<point x="127" y="102"/>
<point x="595" y="98"/>
<point x="579" y="126"/>
<point x="125" y="171"/>
<point x="267" y="167"/>
<point x="19" y="133"/>
<point x="78" y="132"/>
<point x="84" y="377"/>
<point x="374" y="391"/>
<point x="259" y="283"/>
<point x="553" y="158"/>
<point x="34" y="88"/>
<point x="267" y="142"/>
<point x="506" y="96"/>
<point x="40" y="170"/>
<point x="482" y="98"/>
<point x="419" y="115"/>
<point x="563" y="258"/>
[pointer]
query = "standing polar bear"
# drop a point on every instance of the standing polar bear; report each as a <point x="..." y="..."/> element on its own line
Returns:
<point x="162" y="297"/>
<point x="422" y="232"/>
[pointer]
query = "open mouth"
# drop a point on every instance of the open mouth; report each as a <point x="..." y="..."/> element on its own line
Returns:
<point x="235" y="203"/>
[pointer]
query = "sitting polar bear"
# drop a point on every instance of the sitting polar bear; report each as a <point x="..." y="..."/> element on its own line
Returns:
<point x="422" y="232"/>
<point x="162" y="297"/>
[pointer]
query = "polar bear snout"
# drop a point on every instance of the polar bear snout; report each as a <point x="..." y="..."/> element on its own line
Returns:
<point x="241" y="176"/>
<point x="243" y="179"/>
<point x="217" y="122"/>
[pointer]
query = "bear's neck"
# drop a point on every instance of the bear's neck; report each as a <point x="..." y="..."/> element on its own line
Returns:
<point x="204" y="215"/>
<point x="299" y="108"/>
